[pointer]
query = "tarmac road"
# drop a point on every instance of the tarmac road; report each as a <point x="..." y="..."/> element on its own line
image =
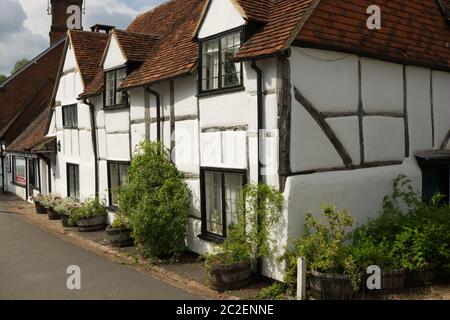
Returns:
<point x="33" y="266"/>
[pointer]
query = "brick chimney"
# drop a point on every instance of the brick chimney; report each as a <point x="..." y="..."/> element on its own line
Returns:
<point x="60" y="16"/>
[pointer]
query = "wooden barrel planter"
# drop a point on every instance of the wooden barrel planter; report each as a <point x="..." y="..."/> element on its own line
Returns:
<point x="40" y="209"/>
<point x="53" y="215"/>
<point x="65" y="222"/>
<point x="421" y="278"/>
<point x="393" y="281"/>
<point x="229" y="277"/>
<point x="91" y="224"/>
<point x="331" y="286"/>
<point x="119" y="237"/>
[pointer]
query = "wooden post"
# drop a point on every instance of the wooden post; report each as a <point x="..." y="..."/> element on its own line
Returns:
<point x="301" y="278"/>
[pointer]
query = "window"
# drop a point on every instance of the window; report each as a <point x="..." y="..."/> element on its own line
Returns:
<point x="113" y="81"/>
<point x="70" y="116"/>
<point x="73" y="181"/>
<point x="218" y="71"/>
<point x="19" y="176"/>
<point x="220" y="194"/>
<point x="33" y="172"/>
<point x="117" y="177"/>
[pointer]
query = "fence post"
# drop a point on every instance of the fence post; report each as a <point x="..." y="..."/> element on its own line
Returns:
<point x="301" y="278"/>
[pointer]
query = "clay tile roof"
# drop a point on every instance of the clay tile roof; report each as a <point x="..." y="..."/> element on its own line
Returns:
<point x="95" y="87"/>
<point x="136" y="46"/>
<point x="175" y="22"/>
<point x="23" y="95"/>
<point x="257" y="10"/>
<point x="412" y="32"/>
<point x="33" y="133"/>
<point x="286" y="17"/>
<point x="88" y="48"/>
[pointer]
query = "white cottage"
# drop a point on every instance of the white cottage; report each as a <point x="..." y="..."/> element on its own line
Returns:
<point x="299" y="94"/>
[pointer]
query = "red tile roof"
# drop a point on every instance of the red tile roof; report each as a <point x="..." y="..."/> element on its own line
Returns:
<point x="136" y="46"/>
<point x="286" y="17"/>
<point x="27" y="93"/>
<point x="175" y="22"/>
<point x="33" y="133"/>
<point x="412" y="32"/>
<point x="88" y="48"/>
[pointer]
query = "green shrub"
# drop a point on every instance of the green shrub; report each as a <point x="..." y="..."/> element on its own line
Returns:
<point x="408" y="233"/>
<point x="259" y="208"/>
<point x="276" y="291"/>
<point x="323" y="246"/>
<point x="156" y="201"/>
<point x="92" y="207"/>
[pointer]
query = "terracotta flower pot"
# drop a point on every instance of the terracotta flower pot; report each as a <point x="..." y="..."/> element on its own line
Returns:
<point x="229" y="277"/>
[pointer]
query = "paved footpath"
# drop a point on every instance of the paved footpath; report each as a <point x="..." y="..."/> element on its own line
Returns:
<point x="33" y="266"/>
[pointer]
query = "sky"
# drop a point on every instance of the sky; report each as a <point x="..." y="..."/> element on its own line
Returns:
<point x="24" y="24"/>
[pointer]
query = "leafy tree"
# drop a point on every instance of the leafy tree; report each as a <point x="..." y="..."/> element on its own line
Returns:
<point x="19" y="65"/>
<point x="2" y="78"/>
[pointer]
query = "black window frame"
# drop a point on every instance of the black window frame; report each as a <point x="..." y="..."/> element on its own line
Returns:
<point x="221" y="88"/>
<point x="77" y="167"/>
<point x="125" y="93"/>
<point x="205" y="234"/>
<point x="109" y="163"/>
<point x="70" y="123"/>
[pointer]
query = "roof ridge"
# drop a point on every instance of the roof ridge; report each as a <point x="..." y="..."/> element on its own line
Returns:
<point x="153" y="9"/>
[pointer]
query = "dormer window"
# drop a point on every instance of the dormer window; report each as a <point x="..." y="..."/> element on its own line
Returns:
<point x="218" y="71"/>
<point x="114" y="97"/>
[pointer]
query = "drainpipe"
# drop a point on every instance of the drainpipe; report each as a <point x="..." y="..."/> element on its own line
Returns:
<point x="260" y="110"/>
<point x="260" y="114"/>
<point x="94" y="142"/>
<point x="157" y="95"/>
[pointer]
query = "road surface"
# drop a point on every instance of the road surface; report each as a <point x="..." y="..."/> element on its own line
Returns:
<point x="33" y="265"/>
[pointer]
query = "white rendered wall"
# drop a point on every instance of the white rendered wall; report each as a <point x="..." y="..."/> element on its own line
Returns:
<point x="114" y="56"/>
<point x="221" y="16"/>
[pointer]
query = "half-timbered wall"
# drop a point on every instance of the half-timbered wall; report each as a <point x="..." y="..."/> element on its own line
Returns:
<point x="355" y="126"/>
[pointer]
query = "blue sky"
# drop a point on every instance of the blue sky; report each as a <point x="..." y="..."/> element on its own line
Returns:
<point x="24" y="24"/>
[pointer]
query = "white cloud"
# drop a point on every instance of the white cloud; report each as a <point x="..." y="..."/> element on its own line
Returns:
<point x="25" y="24"/>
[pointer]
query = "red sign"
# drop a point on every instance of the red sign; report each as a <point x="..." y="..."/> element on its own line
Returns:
<point x="21" y="180"/>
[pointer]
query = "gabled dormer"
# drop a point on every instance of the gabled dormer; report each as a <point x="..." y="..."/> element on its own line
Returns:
<point x="124" y="53"/>
<point x="220" y="34"/>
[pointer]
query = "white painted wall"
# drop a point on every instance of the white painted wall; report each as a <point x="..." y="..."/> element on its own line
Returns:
<point x="221" y="16"/>
<point x="114" y="56"/>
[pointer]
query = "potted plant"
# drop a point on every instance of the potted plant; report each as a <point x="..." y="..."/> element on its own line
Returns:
<point x="50" y="202"/>
<point x="332" y="270"/>
<point x="38" y="203"/>
<point x="91" y="215"/>
<point x="67" y="208"/>
<point x="119" y="234"/>
<point x="229" y="266"/>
